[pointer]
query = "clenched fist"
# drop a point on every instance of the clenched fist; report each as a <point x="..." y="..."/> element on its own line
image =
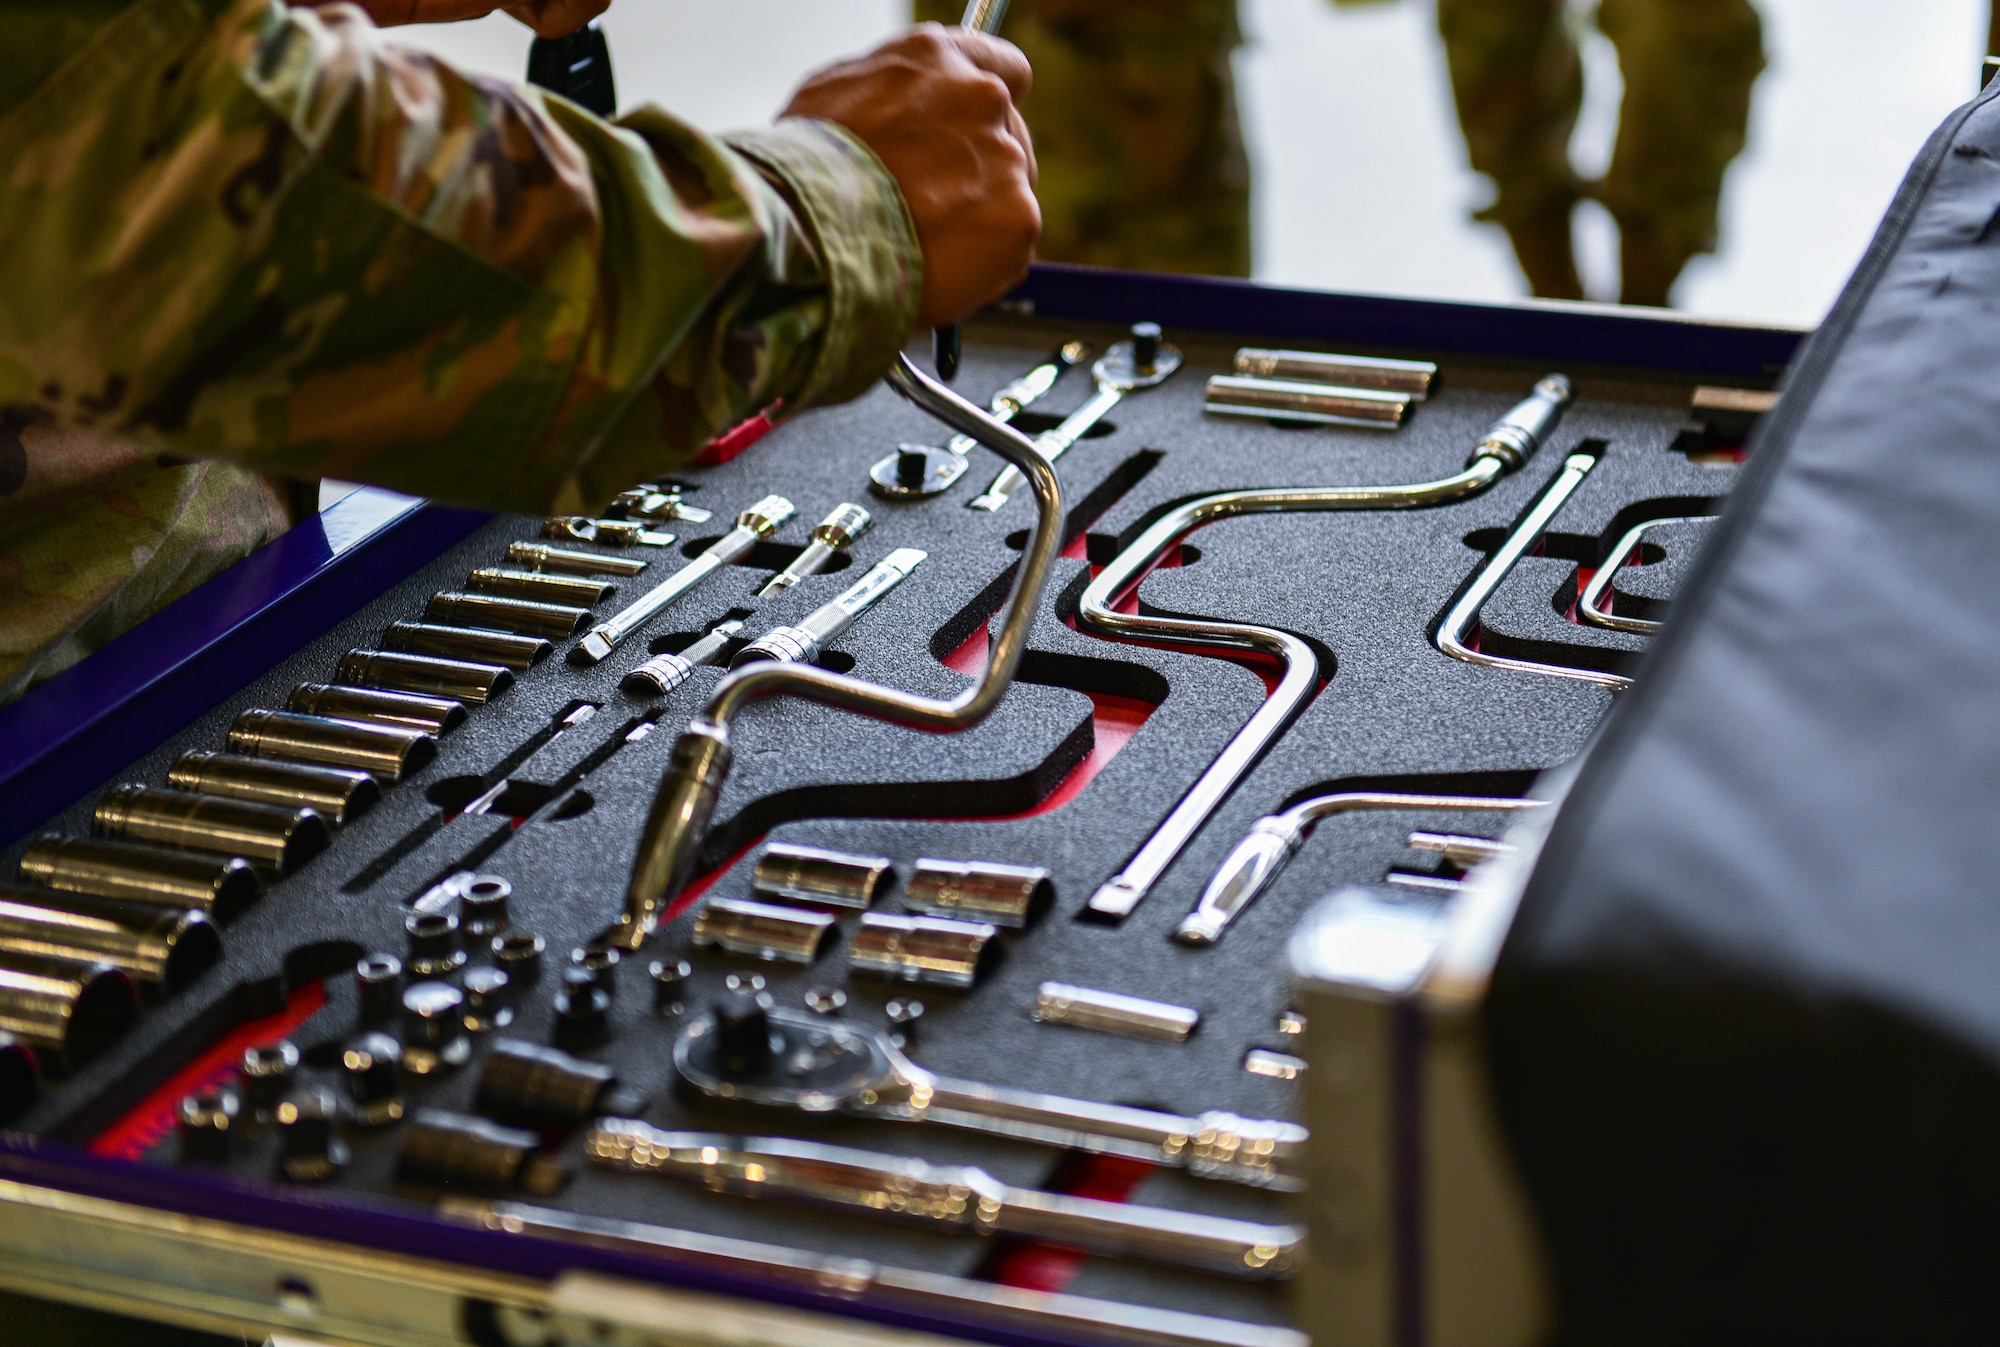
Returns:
<point x="549" y="18"/>
<point x="937" y="106"/>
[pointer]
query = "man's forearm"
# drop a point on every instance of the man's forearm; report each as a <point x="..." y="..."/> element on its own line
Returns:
<point x="275" y="237"/>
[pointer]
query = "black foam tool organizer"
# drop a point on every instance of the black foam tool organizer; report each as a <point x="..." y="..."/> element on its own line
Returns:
<point x="1365" y="588"/>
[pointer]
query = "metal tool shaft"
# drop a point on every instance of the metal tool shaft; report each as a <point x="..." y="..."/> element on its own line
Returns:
<point x="951" y="1197"/>
<point x="1052" y="444"/>
<point x="1264" y="851"/>
<point x="803" y="641"/>
<point x="1454" y="631"/>
<point x="1503" y="448"/>
<point x="1027" y="390"/>
<point x="670" y="847"/>
<point x="752" y="526"/>
<point x="835" y="533"/>
<point x="1590" y="607"/>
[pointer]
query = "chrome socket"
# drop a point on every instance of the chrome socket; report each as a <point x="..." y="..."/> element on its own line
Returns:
<point x="386" y="752"/>
<point x="518" y="653"/>
<point x="432" y="715"/>
<point x="219" y="887"/>
<point x="373" y="1065"/>
<point x="70" y="1010"/>
<point x="466" y="1154"/>
<point x="930" y="950"/>
<point x="527" y="1085"/>
<point x="475" y="683"/>
<point x="564" y="561"/>
<point x="1113" y="1013"/>
<point x="550" y="621"/>
<point x="1005" y="895"/>
<point x="207" y="1125"/>
<point x="482" y="905"/>
<point x="796" y="874"/>
<point x="833" y="534"/>
<point x="336" y="794"/>
<point x="538" y="587"/>
<point x="270" y="837"/>
<point x="1411" y="378"/>
<point x="761" y="930"/>
<point x="434" y="1037"/>
<point x="161" y="949"/>
<point x="1316" y="404"/>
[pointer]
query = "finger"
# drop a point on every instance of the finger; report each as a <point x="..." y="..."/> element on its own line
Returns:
<point x="996" y="56"/>
<point x="1017" y="127"/>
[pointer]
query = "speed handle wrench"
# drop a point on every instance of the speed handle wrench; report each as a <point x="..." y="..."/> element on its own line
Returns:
<point x="1141" y="361"/>
<point x="1464" y="615"/>
<point x="950" y="1197"/>
<point x="802" y="642"/>
<point x="1590" y="607"/>
<point x="1255" y="861"/>
<point x="754" y="525"/>
<point x="1504" y="447"/>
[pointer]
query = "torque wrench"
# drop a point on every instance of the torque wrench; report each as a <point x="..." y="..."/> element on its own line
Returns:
<point x="1452" y="633"/>
<point x="956" y="1198"/>
<point x="754" y="525"/>
<point x="670" y="847"/>
<point x="1504" y="448"/>
<point x="1140" y="361"/>
<point x="917" y="470"/>
<point x="744" y="1052"/>
<point x="1590" y="608"/>
<point x="835" y="533"/>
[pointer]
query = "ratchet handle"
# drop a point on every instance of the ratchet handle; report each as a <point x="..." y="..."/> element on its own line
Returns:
<point x="1185" y="1239"/>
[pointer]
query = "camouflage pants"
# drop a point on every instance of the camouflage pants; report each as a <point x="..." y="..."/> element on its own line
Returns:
<point x="1689" y="66"/>
<point x="1134" y="117"/>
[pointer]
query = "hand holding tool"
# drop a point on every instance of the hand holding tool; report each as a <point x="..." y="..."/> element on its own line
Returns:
<point x="785" y="1059"/>
<point x="981" y="16"/>
<point x="835" y="533"/>
<point x="754" y="525"/>
<point x="804" y="641"/>
<point x="951" y="1197"/>
<point x="1141" y="361"/>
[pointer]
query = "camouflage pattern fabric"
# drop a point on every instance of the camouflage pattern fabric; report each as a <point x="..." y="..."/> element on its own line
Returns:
<point x="1133" y="113"/>
<point x="1689" y="67"/>
<point x="235" y="231"/>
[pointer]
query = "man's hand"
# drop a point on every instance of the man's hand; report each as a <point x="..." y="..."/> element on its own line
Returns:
<point x="549" y="18"/>
<point x="937" y="106"/>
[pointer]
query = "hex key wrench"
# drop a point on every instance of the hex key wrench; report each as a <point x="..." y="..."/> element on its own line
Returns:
<point x="1503" y="448"/>
<point x="1140" y="361"/>
<point x="954" y="1198"/>
<point x="1464" y="615"/>
<point x="670" y="847"/>
<point x="1274" y="839"/>
<point x="1589" y="608"/>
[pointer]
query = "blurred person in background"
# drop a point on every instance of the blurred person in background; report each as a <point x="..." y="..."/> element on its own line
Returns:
<point x="1134" y="117"/>
<point x="1517" y="76"/>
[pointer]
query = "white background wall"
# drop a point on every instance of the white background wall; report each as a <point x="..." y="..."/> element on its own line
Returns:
<point x="1361" y="182"/>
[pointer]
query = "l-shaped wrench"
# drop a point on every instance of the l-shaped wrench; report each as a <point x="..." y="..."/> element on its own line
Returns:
<point x="1503" y="448"/>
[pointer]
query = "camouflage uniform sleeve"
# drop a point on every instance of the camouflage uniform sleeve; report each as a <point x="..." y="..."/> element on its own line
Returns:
<point x="273" y="236"/>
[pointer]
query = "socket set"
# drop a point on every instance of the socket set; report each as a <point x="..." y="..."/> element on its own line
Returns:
<point x="679" y="872"/>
